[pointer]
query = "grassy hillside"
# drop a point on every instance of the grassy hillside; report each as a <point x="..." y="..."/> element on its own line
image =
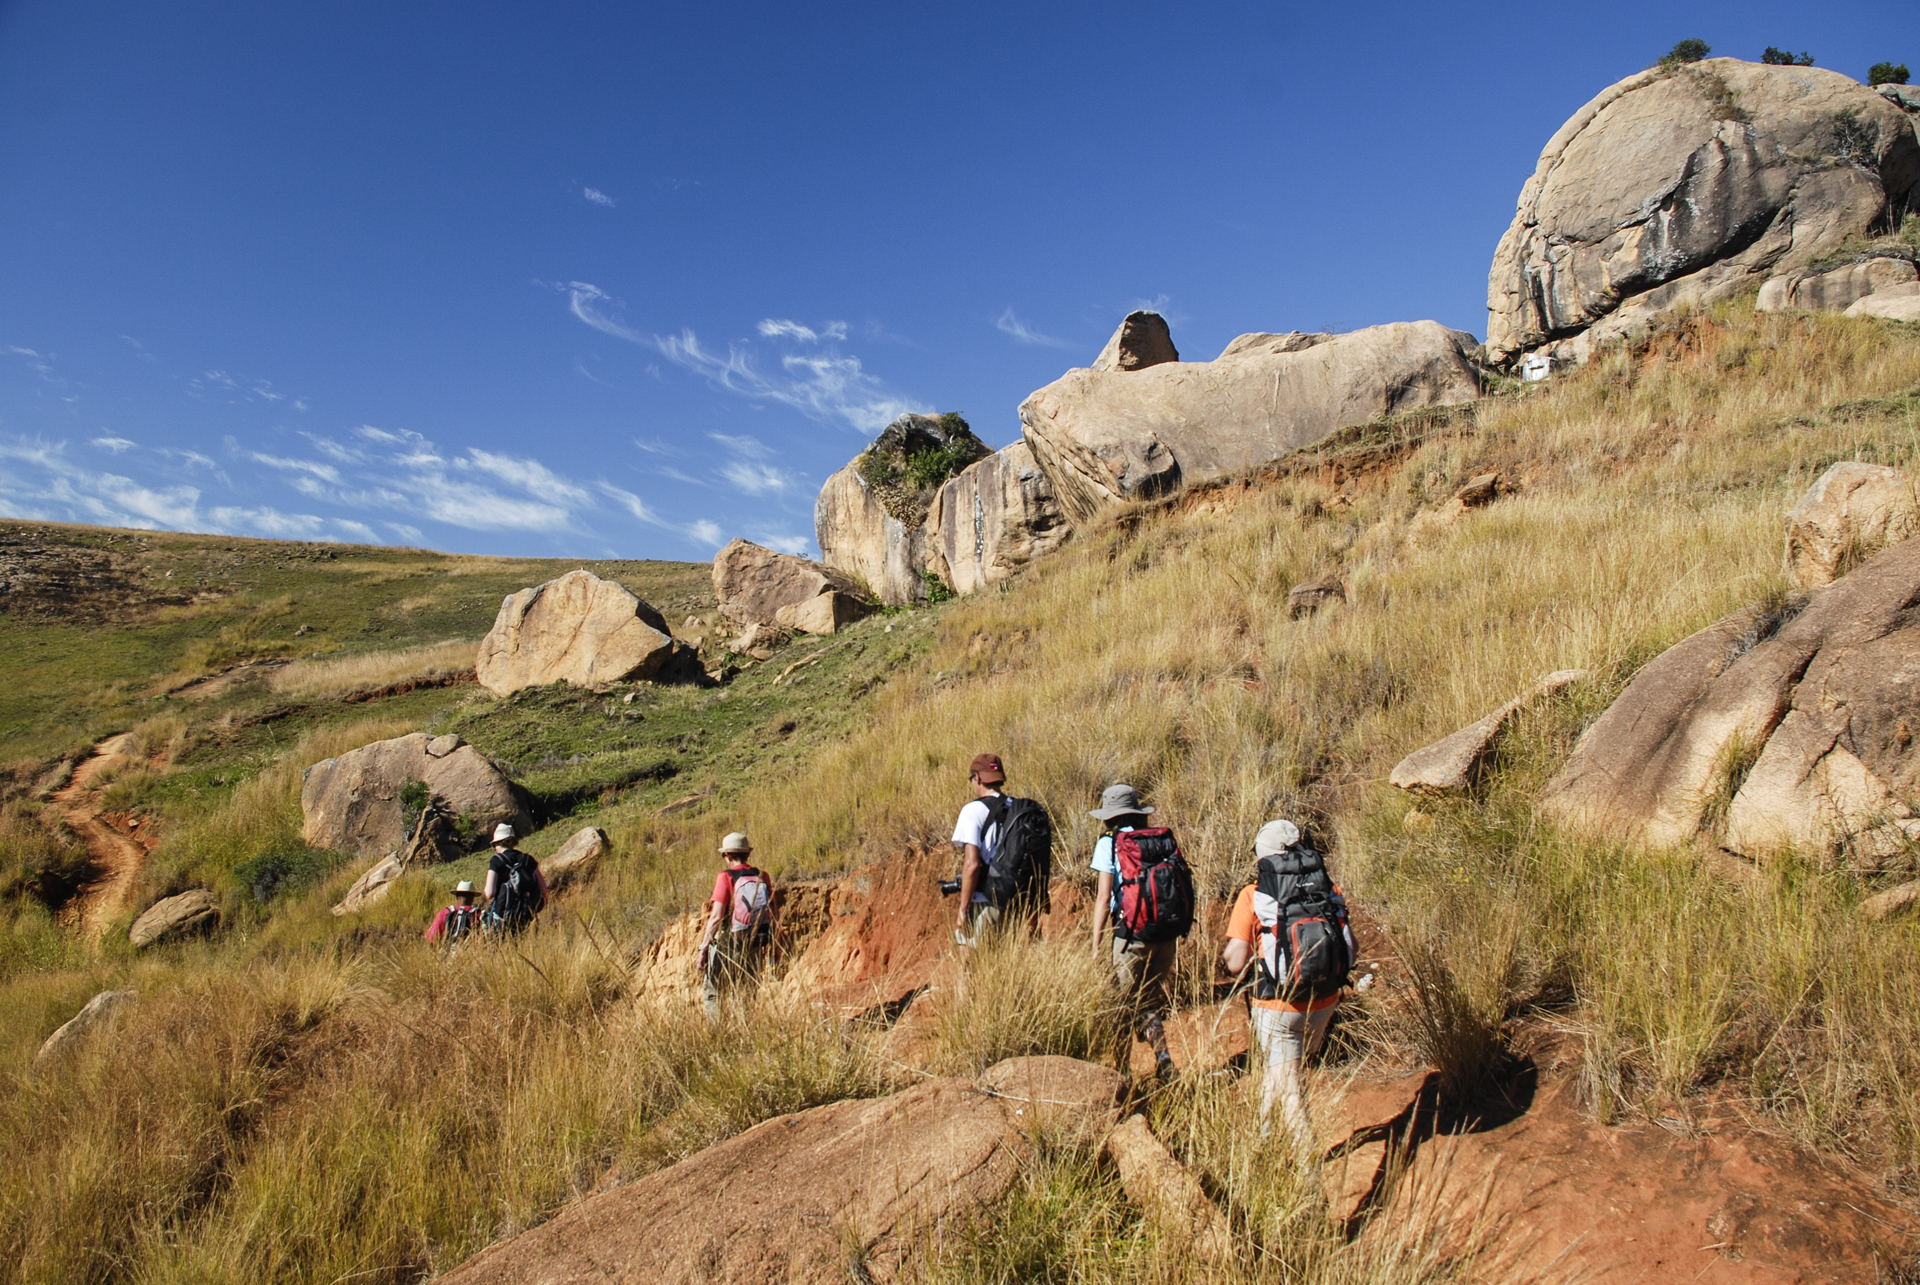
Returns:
<point x="307" y="1098"/>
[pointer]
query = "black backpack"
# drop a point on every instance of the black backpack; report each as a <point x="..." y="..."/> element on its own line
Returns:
<point x="1022" y="868"/>
<point x="461" y="921"/>
<point x="1156" y="886"/>
<point x="1295" y="904"/>
<point x="517" y="898"/>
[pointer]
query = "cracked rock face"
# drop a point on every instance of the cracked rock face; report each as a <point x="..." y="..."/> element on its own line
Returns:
<point x="1688" y="185"/>
<point x="994" y="518"/>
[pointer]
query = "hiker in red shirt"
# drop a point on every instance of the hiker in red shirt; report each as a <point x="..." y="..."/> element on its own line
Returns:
<point x="1291" y="924"/>
<point x="743" y="897"/>
<point x="455" y="922"/>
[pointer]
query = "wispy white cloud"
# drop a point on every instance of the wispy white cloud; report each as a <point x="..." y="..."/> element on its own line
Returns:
<point x="530" y="475"/>
<point x="1023" y="333"/>
<point x="705" y="532"/>
<point x="773" y="328"/>
<point x="118" y="445"/>
<point x="799" y="545"/>
<point x="747" y="469"/>
<point x="823" y="385"/>
<point x="219" y="383"/>
<point x="701" y="532"/>
<point x="598" y="197"/>
<point x="139" y="349"/>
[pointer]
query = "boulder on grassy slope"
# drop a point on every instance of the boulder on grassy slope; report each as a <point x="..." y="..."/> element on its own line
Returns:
<point x="1688" y="185"/>
<point x="194" y="911"/>
<point x="818" y="1196"/>
<point x="352" y="803"/>
<point x="374" y="883"/>
<point x="1838" y="289"/>
<point x="98" y="1015"/>
<point x="1850" y="513"/>
<point x="576" y="857"/>
<point x="993" y="519"/>
<point x="1448" y="765"/>
<point x="578" y="629"/>
<point x="753" y="583"/>
<point x="1890" y="306"/>
<point x="1821" y="703"/>
<point x="1106" y="438"/>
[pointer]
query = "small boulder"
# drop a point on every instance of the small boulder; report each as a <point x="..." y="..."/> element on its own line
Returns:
<point x="1156" y="1181"/>
<point x="1305" y="599"/>
<point x="1141" y="340"/>
<point x="1898" y="900"/>
<point x="1448" y="765"/>
<point x="441" y="746"/>
<point x="194" y="911"/>
<point x="578" y="629"/>
<point x="352" y="803"/>
<point x="1838" y="289"/>
<point x="752" y="583"/>
<point x="822" y="614"/>
<point x="372" y="885"/>
<point x="992" y="519"/>
<point x="1902" y="306"/>
<point x="575" y="858"/>
<point x="97" y="1016"/>
<point x="1058" y="1094"/>
<point x="1482" y="490"/>
<point x="759" y="641"/>
<point x="1852" y="512"/>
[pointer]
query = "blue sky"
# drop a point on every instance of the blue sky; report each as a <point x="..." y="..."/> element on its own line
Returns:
<point x="630" y="280"/>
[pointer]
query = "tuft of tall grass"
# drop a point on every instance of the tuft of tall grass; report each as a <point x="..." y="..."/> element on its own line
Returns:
<point x="1020" y="997"/>
<point x="322" y="680"/>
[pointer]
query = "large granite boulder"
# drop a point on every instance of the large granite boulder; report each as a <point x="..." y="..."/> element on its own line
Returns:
<point x="1141" y="340"/>
<point x="870" y="519"/>
<point x="352" y="803"/>
<point x="835" y="1193"/>
<point x="1850" y="513"/>
<point x="576" y="857"/>
<point x="1890" y="305"/>
<point x="1768" y="729"/>
<point x="1838" y="289"/>
<point x="185" y="914"/>
<point x="1687" y="185"/>
<point x="991" y="520"/>
<point x="1109" y="437"/>
<point x="753" y="583"/>
<point x="578" y="629"/>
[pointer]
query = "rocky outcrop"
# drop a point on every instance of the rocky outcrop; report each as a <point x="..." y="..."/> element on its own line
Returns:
<point x="1109" y="437"/>
<point x="1796" y="727"/>
<point x="1141" y="340"/>
<point x="576" y="857"/>
<point x="1838" y="289"/>
<point x="578" y="629"/>
<point x="98" y="1015"/>
<point x="1156" y="1181"/>
<point x="796" y="1199"/>
<point x="871" y="519"/>
<point x="1850" y="513"/>
<point x="1448" y="765"/>
<point x="185" y="915"/>
<point x="352" y="803"/>
<point x="1891" y="306"/>
<point x="1685" y="185"/>
<point x="753" y="584"/>
<point x="993" y="519"/>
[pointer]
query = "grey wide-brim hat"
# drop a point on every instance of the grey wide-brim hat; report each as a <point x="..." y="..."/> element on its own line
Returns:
<point x="1119" y="801"/>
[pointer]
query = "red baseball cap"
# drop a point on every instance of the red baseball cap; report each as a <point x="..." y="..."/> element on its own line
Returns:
<point x="987" y="768"/>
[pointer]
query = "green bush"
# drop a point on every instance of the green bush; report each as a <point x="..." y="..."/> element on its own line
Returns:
<point x="1685" y="52"/>
<point x="38" y="861"/>
<point x="273" y="875"/>
<point x="1781" y="58"/>
<point x="1887" y="73"/>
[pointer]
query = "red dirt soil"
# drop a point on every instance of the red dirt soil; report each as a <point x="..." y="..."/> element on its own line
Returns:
<point x="117" y="855"/>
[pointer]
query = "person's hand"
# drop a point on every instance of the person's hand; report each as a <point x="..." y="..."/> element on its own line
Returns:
<point x="700" y="960"/>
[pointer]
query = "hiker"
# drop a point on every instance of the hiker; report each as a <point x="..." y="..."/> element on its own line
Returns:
<point x="1291" y="924"/>
<point x="1146" y="891"/>
<point x="1006" y="855"/>
<point x="516" y="891"/>
<point x="454" y="922"/>
<point x="743" y="896"/>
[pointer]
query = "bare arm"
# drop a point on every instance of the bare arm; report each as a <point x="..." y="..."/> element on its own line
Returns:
<point x="493" y="880"/>
<point x="970" y="868"/>
<point x="1102" y="908"/>
<point x="713" y="922"/>
<point x="1235" y="955"/>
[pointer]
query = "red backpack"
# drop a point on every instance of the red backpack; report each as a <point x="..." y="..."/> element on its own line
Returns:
<point x="1156" y="885"/>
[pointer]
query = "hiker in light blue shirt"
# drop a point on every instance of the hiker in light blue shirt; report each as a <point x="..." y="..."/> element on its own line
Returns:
<point x="1141" y="969"/>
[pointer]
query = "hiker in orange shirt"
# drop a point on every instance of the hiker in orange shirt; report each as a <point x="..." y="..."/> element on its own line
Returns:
<point x="1291" y="923"/>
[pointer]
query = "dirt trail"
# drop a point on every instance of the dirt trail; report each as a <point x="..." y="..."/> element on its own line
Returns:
<point x="117" y="858"/>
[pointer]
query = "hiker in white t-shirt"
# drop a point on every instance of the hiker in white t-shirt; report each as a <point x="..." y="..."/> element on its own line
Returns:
<point x="976" y="836"/>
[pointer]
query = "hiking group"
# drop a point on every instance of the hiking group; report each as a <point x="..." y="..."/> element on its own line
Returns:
<point x="1287" y="930"/>
<point x="515" y="892"/>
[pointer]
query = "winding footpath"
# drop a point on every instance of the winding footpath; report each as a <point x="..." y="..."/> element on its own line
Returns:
<point x="116" y="857"/>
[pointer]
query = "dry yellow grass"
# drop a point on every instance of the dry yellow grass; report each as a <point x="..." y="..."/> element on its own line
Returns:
<point x="318" y="680"/>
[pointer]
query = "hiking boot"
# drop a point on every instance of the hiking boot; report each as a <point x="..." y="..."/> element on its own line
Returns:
<point x="1163" y="1068"/>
